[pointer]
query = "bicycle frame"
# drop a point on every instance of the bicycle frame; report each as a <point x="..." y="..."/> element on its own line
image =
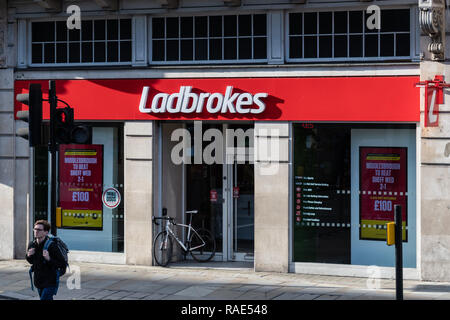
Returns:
<point x="189" y="227"/>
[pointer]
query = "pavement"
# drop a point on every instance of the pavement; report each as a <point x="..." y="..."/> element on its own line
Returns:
<point x="211" y="281"/>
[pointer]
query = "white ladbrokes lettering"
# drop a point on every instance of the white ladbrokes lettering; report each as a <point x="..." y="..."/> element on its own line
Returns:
<point x="190" y="102"/>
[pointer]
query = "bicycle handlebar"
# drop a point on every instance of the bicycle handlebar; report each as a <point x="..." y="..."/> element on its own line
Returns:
<point x="170" y="219"/>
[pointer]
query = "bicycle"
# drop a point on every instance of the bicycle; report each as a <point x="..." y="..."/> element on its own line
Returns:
<point x="199" y="243"/>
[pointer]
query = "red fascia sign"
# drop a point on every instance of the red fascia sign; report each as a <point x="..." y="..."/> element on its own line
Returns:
<point x="374" y="99"/>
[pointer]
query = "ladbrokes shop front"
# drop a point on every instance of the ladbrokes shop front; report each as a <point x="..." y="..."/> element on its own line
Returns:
<point x="289" y="173"/>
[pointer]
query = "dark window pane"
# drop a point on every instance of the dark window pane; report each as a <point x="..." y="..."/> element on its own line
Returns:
<point x="187" y="27"/>
<point x="172" y="28"/>
<point x="99" y="29"/>
<point x="259" y="25"/>
<point x="403" y="45"/>
<point x="36" y="53"/>
<point x="356" y="46"/>
<point x="201" y="49"/>
<point x="325" y="47"/>
<point x="74" y="52"/>
<point x="74" y="35"/>
<point x="230" y="26"/>
<point x="245" y="25"/>
<point x="387" y="45"/>
<point x="310" y="23"/>
<point x="295" y="23"/>
<point x="230" y="49"/>
<point x="340" y="46"/>
<point x="201" y="26"/>
<point x="158" y="50"/>
<point x="113" y="51"/>
<point x="158" y="28"/>
<point x="43" y="31"/>
<point x="99" y="52"/>
<point x="215" y="49"/>
<point x="340" y="22"/>
<point x="295" y="47"/>
<point x="61" y="53"/>
<point x="325" y="22"/>
<point x="125" y="51"/>
<point x="215" y="26"/>
<point x="395" y="20"/>
<point x="61" y="31"/>
<point x="172" y="50"/>
<point x="187" y="47"/>
<point x="356" y="21"/>
<point x="125" y="29"/>
<point x="259" y="48"/>
<point x="86" y="52"/>
<point x="371" y="46"/>
<point x="245" y="48"/>
<point x="86" y="30"/>
<point x="49" y="53"/>
<point x="113" y="29"/>
<point x="310" y="47"/>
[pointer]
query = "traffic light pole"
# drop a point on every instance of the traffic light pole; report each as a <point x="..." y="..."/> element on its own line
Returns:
<point x="52" y="148"/>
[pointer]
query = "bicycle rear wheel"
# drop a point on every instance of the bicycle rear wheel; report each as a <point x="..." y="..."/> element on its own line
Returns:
<point x="162" y="248"/>
<point x="203" y="245"/>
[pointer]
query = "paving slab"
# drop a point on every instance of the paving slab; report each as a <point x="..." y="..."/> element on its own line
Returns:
<point x="196" y="291"/>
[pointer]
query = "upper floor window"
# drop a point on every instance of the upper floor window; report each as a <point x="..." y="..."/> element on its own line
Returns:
<point x="209" y="39"/>
<point x="98" y="42"/>
<point x="344" y="35"/>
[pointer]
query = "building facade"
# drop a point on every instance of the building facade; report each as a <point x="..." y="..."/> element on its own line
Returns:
<point x="294" y="127"/>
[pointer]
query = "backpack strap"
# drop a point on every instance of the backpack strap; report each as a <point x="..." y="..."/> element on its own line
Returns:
<point x="47" y="243"/>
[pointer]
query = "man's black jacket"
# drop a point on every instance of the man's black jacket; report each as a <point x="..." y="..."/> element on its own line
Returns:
<point x="45" y="271"/>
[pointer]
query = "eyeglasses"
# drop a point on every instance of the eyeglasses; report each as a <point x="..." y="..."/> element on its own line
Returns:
<point x="38" y="229"/>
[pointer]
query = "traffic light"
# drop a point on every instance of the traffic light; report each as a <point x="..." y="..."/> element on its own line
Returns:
<point x="33" y="115"/>
<point x="63" y="125"/>
<point x="66" y="131"/>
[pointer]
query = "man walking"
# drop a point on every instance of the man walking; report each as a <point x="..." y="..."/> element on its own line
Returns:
<point x="44" y="262"/>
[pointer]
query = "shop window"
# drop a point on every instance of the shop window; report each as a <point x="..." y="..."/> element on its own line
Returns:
<point x="90" y="191"/>
<point x="344" y="35"/>
<point x="98" y="42"/>
<point x="346" y="181"/>
<point x="206" y="39"/>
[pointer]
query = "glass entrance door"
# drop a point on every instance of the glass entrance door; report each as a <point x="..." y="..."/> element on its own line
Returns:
<point x="240" y="186"/>
<point x="223" y="191"/>
<point x="242" y="212"/>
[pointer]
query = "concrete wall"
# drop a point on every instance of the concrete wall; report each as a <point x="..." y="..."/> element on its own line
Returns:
<point x="271" y="197"/>
<point x="435" y="182"/>
<point x="14" y="153"/>
<point x="138" y="175"/>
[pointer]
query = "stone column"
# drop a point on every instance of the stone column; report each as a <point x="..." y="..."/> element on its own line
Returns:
<point x="435" y="183"/>
<point x="138" y="148"/>
<point x="271" y="197"/>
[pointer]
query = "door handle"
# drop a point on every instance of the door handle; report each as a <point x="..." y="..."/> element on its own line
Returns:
<point x="248" y="208"/>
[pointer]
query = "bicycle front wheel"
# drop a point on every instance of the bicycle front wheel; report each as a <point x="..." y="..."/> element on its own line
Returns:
<point x="203" y="245"/>
<point x="162" y="248"/>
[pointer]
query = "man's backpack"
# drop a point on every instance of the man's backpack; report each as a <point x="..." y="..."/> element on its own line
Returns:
<point x="60" y="271"/>
<point x="62" y="247"/>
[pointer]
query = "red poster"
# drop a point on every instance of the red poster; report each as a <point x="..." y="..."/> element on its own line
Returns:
<point x="81" y="185"/>
<point x="383" y="184"/>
